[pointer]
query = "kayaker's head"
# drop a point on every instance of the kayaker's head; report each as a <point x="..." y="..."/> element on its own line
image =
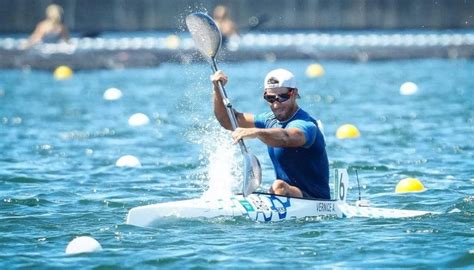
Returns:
<point x="54" y="13"/>
<point x="281" y="93"/>
<point x="220" y="12"/>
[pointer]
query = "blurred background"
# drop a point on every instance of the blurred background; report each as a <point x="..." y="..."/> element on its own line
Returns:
<point x="20" y="16"/>
<point x="127" y="33"/>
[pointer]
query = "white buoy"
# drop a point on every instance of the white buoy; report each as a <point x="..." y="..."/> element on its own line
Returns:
<point x="128" y="161"/>
<point x="408" y="88"/>
<point x="112" y="94"/>
<point x="83" y="244"/>
<point x="138" y="119"/>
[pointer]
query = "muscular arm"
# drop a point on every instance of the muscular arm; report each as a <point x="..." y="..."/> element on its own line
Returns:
<point x="274" y="137"/>
<point x="243" y="119"/>
<point x="36" y="36"/>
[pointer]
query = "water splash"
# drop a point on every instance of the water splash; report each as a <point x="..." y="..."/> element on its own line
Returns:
<point x="196" y="7"/>
<point x="220" y="158"/>
<point x="224" y="169"/>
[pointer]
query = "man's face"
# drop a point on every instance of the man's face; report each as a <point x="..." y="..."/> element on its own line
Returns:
<point x="281" y="101"/>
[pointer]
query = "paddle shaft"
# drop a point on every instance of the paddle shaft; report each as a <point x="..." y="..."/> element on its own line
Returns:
<point x="228" y="108"/>
<point x="208" y="39"/>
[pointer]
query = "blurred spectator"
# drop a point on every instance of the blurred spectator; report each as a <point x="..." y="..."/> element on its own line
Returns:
<point x="49" y="30"/>
<point x="225" y="23"/>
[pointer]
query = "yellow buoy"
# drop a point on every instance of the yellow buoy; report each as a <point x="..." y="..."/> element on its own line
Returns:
<point x="62" y="73"/>
<point x="409" y="185"/>
<point x="172" y="42"/>
<point x="347" y="131"/>
<point x="314" y="71"/>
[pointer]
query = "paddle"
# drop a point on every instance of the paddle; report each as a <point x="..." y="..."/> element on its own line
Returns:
<point x="207" y="38"/>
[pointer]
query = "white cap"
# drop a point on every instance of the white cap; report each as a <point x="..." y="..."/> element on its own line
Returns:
<point x="279" y="78"/>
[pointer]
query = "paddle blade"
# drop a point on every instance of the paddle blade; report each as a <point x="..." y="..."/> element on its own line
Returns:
<point x="205" y="33"/>
<point x="252" y="174"/>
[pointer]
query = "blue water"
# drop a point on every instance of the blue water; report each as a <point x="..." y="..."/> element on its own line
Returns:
<point x="60" y="141"/>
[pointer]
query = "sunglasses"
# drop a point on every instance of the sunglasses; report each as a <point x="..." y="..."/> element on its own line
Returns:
<point x="280" y="98"/>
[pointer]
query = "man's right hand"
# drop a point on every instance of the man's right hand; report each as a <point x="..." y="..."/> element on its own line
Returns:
<point x="219" y="76"/>
<point x="245" y="120"/>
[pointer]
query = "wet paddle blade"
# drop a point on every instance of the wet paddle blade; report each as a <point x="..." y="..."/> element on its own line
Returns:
<point x="252" y="174"/>
<point x="205" y="33"/>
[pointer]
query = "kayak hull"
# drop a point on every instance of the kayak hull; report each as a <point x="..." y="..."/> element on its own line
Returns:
<point x="261" y="207"/>
<point x="265" y="207"/>
<point x="257" y="206"/>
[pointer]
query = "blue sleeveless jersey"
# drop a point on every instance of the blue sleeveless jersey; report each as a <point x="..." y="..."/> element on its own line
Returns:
<point x="305" y="167"/>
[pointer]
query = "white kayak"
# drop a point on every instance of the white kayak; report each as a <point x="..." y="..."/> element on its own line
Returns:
<point x="265" y="207"/>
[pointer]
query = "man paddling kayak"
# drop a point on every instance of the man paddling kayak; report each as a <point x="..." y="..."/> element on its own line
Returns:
<point x="294" y="139"/>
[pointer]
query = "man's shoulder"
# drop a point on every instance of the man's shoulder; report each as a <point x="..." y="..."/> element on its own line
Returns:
<point x="266" y="119"/>
<point x="303" y="116"/>
<point x="266" y="116"/>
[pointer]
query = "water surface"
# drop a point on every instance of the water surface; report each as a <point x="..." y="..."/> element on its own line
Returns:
<point x="60" y="140"/>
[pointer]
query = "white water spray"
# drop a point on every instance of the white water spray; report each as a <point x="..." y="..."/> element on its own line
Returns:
<point x="223" y="168"/>
<point x="221" y="158"/>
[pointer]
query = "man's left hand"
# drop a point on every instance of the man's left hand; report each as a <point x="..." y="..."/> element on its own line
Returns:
<point x="241" y="133"/>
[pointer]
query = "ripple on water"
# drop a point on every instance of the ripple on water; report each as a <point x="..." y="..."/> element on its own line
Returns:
<point x="464" y="206"/>
<point x="464" y="259"/>
<point x="59" y="181"/>
<point x="22" y="180"/>
<point x="32" y="201"/>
